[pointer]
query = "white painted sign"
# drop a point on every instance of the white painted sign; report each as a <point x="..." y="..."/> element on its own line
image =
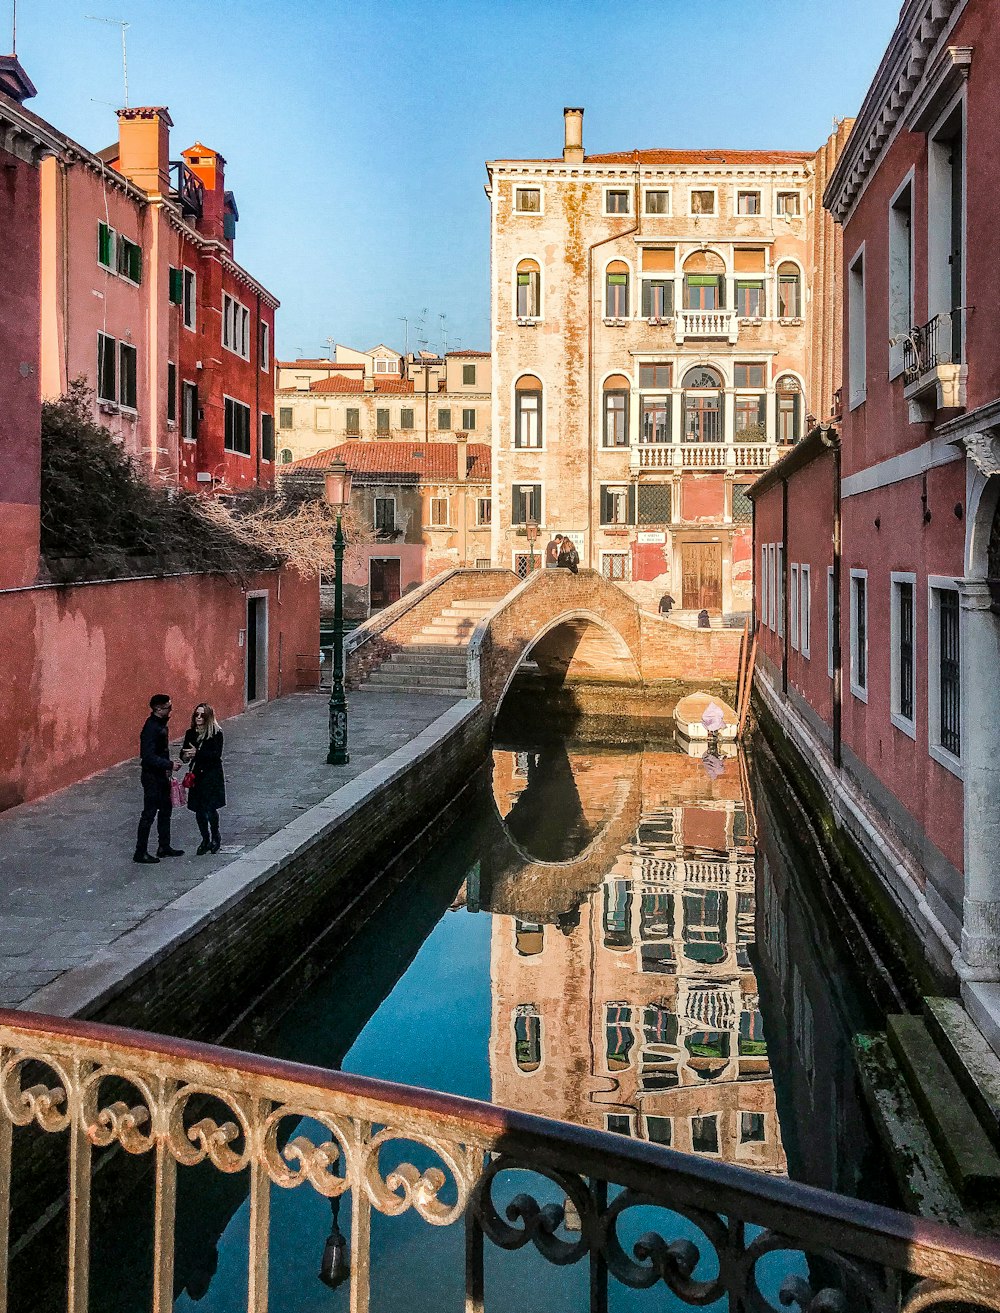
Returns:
<point x="652" y="537"/>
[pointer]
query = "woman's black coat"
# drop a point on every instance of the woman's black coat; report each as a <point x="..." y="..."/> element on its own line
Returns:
<point x="209" y="792"/>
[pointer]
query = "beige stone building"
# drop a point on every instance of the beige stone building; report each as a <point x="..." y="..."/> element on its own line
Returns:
<point x="662" y="329"/>
<point x="382" y="395"/>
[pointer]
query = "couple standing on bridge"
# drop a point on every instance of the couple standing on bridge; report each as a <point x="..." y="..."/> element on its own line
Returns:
<point x="561" y="552"/>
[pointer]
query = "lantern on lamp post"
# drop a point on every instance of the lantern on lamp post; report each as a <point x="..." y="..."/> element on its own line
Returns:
<point x="531" y="533"/>
<point x="338" y="495"/>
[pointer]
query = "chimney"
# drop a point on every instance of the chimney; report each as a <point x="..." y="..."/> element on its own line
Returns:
<point x="573" y="143"/>
<point x="209" y="167"/>
<point x="368" y="384"/>
<point x="144" y="147"/>
<point x="14" y="82"/>
<point x="461" y="456"/>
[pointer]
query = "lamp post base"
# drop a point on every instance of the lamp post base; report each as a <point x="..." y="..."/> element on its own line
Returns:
<point x="338" y="754"/>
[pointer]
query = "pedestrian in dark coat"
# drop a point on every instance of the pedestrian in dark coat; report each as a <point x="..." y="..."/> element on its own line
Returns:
<point x="569" y="557"/>
<point x="202" y="749"/>
<point x="156" y="770"/>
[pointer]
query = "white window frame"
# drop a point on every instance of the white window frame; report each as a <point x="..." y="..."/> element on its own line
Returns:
<point x="265" y="346"/>
<point x="748" y="191"/>
<point x="524" y="186"/>
<point x="181" y="415"/>
<point x="793" y="605"/>
<point x="385" y="365"/>
<point x="937" y="583"/>
<point x="112" y="267"/>
<point x="787" y="191"/>
<point x="830" y="607"/>
<point x="715" y="202"/>
<point x="437" y="499"/>
<point x="482" y="522"/>
<point x="469" y="410"/>
<point x="805" y="611"/>
<point x="857" y="330"/>
<point x="900" y="323"/>
<point x="658" y="214"/>
<point x="128" y="407"/>
<point x="102" y="353"/>
<point x="189" y="280"/>
<point x="771" y="587"/>
<point x="629" y="288"/>
<point x="606" y="190"/>
<point x="535" y="318"/>
<point x="626" y="556"/>
<point x="230" y="451"/>
<point x="897" y="577"/>
<point x="779" y="551"/>
<point x="375" y="501"/>
<point x="860" y="691"/>
<point x="527" y="483"/>
<point x="762" y="601"/>
<point x="235" y="326"/>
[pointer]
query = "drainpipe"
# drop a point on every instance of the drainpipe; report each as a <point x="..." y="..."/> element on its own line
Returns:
<point x="830" y="437"/>
<point x="784" y="587"/>
<point x="625" y="232"/>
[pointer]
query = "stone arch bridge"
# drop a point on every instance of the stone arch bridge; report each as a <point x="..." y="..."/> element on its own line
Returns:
<point x="467" y="632"/>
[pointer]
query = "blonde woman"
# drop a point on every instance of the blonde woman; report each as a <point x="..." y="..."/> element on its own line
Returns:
<point x="202" y="749"/>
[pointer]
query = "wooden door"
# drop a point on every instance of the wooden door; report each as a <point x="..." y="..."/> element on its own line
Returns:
<point x="701" y="576"/>
<point x="383" y="582"/>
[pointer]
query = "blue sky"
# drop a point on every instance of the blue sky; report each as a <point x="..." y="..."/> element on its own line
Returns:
<point x="355" y="133"/>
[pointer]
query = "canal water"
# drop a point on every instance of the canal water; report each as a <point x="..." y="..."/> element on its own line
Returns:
<point x="618" y="935"/>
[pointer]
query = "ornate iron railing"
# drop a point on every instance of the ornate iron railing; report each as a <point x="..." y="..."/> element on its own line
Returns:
<point x="930" y="345"/>
<point x="106" y="1086"/>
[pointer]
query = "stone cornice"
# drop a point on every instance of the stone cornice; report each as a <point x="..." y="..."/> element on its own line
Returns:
<point x="909" y="66"/>
<point x="24" y="135"/>
<point x="209" y="246"/>
<point x="598" y="172"/>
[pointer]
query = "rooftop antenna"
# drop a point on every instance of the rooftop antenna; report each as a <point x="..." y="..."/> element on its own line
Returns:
<point x="13" y="28"/>
<point x="116" y="22"/>
<point x="406" y="334"/>
<point x="331" y="342"/>
<point x="444" y="333"/>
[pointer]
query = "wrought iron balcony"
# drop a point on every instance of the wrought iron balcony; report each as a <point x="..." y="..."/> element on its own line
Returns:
<point x="933" y="377"/>
<point x="706" y="323"/>
<point x="928" y="346"/>
<point x="185" y="1104"/>
<point x="188" y="189"/>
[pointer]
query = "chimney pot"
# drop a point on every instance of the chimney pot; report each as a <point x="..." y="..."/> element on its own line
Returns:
<point x="573" y="136"/>
<point x="144" y="147"/>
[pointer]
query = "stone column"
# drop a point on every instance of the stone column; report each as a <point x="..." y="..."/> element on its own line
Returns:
<point x="980" y="639"/>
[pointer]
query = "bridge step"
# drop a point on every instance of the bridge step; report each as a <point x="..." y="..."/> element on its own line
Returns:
<point x="403" y="664"/>
<point x="383" y="678"/>
<point x="448" y="654"/>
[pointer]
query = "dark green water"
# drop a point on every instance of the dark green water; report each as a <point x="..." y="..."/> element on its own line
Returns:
<point x="612" y="936"/>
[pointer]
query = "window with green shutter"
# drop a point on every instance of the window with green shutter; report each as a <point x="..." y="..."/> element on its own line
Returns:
<point x="267" y="437"/>
<point x="171" y="392"/>
<point x="468" y="420"/>
<point x="354" y="421"/>
<point x="285" y="417"/>
<point x="107" y="350"/>
<point x="127" y="357"/>
<point x="176" y="286"/>
<point x="406" y="418"/>
<point x="237" y="436"/>
<point x="382" y="420"/>
<point x="468" y="374"/>
<point x="105" y="246"/>
<point x="129" y="260"/>
<point x="444" y="419"/>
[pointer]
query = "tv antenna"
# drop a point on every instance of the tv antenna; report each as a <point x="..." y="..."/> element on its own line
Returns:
<point x="444" y="333"/>
<point x="116" y="22"/>
<point x="13" y="27"/>
<point x="406" y="334"/>
<point x="331" y="342"/>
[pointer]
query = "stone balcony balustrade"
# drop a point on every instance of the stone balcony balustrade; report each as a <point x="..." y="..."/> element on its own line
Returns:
<point x="707" y="323"/>
<point x="704" y="455"/>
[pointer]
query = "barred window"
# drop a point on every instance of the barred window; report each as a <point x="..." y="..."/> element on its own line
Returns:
<point x="614" y="566"/>
<point x="742" y="505"/>
<point x="950" y="678"/>
<point x="654" y="503"/>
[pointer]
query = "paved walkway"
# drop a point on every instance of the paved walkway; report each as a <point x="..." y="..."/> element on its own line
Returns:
<point x="68" y="885"/>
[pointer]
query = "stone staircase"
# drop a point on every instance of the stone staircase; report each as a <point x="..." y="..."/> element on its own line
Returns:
<point x="689" y="618"/>
<point x="433" y="659"/>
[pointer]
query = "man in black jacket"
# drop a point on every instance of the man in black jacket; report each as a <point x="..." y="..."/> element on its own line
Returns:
<point x="157" y="768"/>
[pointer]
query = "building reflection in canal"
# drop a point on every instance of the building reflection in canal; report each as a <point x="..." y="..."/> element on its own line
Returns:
<point x="623" y="994"/>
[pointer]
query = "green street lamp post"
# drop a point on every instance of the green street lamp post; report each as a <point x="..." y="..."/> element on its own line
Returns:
<point x="338" y="495"/>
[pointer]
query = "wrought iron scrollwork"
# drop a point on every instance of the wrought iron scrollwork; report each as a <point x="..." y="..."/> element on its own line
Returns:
<point x="656" y="1259"/>
<point x="539" y="1222"/>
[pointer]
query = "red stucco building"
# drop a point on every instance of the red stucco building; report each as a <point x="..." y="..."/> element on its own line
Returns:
<point x="877" y="547"/>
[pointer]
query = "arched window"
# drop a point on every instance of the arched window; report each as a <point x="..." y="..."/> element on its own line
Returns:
<point x="704" y="281"/>
<point x="702" y="404"/>
<point x="616" y="392"/>
<point x="286" y="456"/>
<point x="527" y="1037"/>
<point x="788" y="401"/>
<point x="618" y="915"/>
<point x="528" y="411"/>
<point x="789" y="291"/>
<point x="616" y="290"/>
<point x="529" y="290"/>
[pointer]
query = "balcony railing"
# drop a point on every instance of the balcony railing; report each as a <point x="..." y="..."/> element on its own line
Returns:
<point x="706" y="323"/>
<point x="932" y="344"/>
<point x="188" y="188"/>
<point x="283" y="1124"/>
<point x="706" y="455"/>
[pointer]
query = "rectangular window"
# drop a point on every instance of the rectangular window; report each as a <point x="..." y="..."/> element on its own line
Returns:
<point x="353" y="422"/>
<point x="751" y="1128"/>
<point x="439" y="511"/>
<point x="703" y="202"/>
<point x="762" y="612"/>
<point x="787" y="202"/>
<point x="237" y="436"/>
<point x="742" y="505"/>
<point x="944" y="674"/>
<point x="468" y="420"/>
<point x="406" y="418"/>
<point x="616" y="419"/>
<point x="617" y="202"/>
<point x="654" y="376"/>
<point x="265" y="346"/>
<point x="856" y="330"/>
<point x="235" y="326"/>
<point x="779" y="619"/>
<point x="787" y="407"/>
<point x="900" y="275"/>
<point x="189" y="411"/>
<point x="106" y="246"/>
<point x="749" y="376"/>
<point x="859" y="634"/>
<point x="615" y="504"/>
<point x="526" y="503"/>
<point x="614" y="566"/>
<point x="129" y="260"/>
<point x="750" y="421"/>
<point x="382" y="420"/>
<point x="705" y="1134"/>
<point x="385" y="514"/>
<point x="831" y="627"/>
<point x="171" y="392"/>
<point x="285" y="417"/>
<point x="617" y="296"/>
<point x="528" y="200"/>
<point x="468" y="375"/>
<point x="748" y="202"/>
<point x="190" y="299"/>
<point x="750" y="302"/>
<point x="484" y="510"/>
<point x="655" y="425"/>
<point x="107" y="356"/>
<point x="805" y="610"/>
<point x="654" y="503"/>
<point x="657" y="298"/>
<point x="658" y="202"/>
<point x="444" y="419"/>
<point x="528" y="298"/>
<point x="527" y="419"/>
<point x="789" y="289"/>
<point x="323" y="417"/>
<point x="903" y="639"/>
<point x="175" y="286"/>
<point x="793" y="605"/>
<point x="772" y="587"/>
<point x="267" y="437"/>
<point x="946" y="257"/>
<point x="127" y="357"/>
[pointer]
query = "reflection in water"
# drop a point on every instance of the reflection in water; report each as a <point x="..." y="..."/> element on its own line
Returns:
<point x="636" y="1008"/>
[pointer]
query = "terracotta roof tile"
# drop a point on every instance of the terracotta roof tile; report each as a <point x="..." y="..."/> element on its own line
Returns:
<point x="383" y="385"/>
<point x="467" y="353"/>
<point x="420" y="461"/>
<point x="687" y="157"/>
<point x="315" y="364"/>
